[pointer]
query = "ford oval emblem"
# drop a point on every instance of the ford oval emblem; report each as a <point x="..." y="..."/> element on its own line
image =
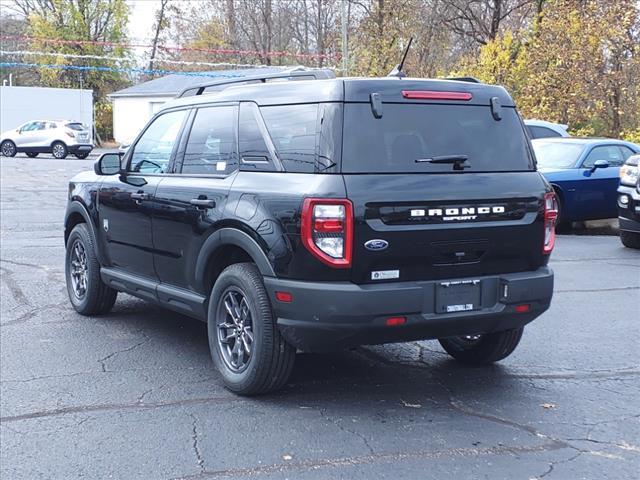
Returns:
<point x="376" y="244"/>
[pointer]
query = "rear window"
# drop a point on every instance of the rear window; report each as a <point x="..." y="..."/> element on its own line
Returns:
<point x="541" y="132"/>
<point x="408" y="136"/>
<point x="75" y="126"/>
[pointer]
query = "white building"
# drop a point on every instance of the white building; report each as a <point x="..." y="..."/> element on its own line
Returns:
<point x="22" y="104"/>
<point x="134" y="106"/>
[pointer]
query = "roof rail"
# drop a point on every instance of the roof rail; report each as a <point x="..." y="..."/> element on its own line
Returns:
<point x="464" y="79"/>
<point x="317" y="74"/>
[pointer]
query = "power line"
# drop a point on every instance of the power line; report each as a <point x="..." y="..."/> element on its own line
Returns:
<point x="125" y="59"/>
<point x="215" y="51"/>
<point x="115" y="69"/>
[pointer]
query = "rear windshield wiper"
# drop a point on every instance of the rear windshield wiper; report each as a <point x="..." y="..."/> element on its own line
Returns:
<point x="456" y="160"/>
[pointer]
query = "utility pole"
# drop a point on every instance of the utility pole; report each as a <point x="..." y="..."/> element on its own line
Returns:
<point x="345" y="49"/>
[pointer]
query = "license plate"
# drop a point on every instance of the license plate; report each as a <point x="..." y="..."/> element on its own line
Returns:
<point x="458" y="296"/>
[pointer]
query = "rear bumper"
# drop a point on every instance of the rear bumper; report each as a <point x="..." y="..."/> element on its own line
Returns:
<point x="629" y="213"/>
<point x="324" y="316"/>
<point x="80" y="148"/>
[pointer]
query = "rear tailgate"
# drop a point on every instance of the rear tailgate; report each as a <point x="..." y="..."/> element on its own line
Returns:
<point x="449" y="187"/>
<point x="445" y="226"/>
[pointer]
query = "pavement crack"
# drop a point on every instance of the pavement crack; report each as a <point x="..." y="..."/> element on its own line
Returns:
<point x="552" y="465"/>
<point x="344" y="429"/>
<point x="105" y="407"/>
<point x="196" y="447"/>
<point x="25" y="317"/>
<point x="14" y="288"/>
<point x="103" y="360"/>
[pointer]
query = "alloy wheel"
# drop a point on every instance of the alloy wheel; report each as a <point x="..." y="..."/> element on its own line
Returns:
<point x="8" y="149"/>
<point x="58" y="150"/>
<point x="235" y="330"/>
<point x="79" y="275"/>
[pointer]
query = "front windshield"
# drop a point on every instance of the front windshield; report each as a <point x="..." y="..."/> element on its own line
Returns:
<point x="556" y="154"/>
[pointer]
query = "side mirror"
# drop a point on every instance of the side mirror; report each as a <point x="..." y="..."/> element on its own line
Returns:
<point x="599" y="164"/>
<point x="108" y="164"/>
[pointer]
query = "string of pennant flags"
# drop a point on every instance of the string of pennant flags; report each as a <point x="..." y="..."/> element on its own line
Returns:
<point x="94" y="68"/>
<point x="214" y="51"/>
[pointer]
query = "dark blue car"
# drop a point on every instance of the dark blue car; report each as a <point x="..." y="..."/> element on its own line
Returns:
<point x="585" y="173"/>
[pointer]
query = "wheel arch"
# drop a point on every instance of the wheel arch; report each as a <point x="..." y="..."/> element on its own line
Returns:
<point x="226" y="247"/>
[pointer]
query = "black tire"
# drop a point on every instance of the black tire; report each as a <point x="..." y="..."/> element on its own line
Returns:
<point x="8" y="148"/>
<point x="97" y="298"/>
<point x="59" y="150"/>
<point x="485" y="349"/>
<point x="271" y="358"/>
<point x="81" y="155"/>
<point x="630" y="239"/>
<point x="32" y="154"/>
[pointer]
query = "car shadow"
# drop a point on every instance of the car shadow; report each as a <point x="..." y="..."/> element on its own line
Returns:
<point x="414" y="373"/>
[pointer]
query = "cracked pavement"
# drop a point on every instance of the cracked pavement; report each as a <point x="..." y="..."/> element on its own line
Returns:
<point x="134" y="394"/>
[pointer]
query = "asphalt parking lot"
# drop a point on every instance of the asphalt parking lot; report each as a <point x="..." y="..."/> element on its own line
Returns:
<point x="134" y="394"/>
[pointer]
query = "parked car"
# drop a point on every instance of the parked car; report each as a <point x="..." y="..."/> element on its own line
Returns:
<point x="584" y="172"/>
<point x="58" y="137"/>
<point x="542" y="129"/>
<point x="320" y="214"/>
<point x="629" y="202"/>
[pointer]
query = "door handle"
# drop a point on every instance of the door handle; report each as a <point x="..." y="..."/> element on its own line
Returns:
<point x="203" y="203"/>
<point x="139" y="196"/>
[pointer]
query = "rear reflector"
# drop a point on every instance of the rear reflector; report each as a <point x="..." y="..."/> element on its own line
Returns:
<point x="435" y="95"/>
<point x="524" y="308"/>
<point x="395" y="321"/>
<point x="285" y="297"/>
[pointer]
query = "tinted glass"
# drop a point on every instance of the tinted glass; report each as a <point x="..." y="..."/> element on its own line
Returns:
<point x="75" y="126"/>
<point x="28" y="127"/>
<point x="254" y="153"/>
<point x="293" y="129"/>
<point x="610" y="153"/>
<point x="211" y="148"/>
<point x="541" y="132"/>
<point x="410" y="132"/>
<point x="557" y="154"/>
<point x="626" y="151"/>
<point x="152" y="152"/>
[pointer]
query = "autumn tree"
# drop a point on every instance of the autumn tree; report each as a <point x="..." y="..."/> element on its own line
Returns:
<point x="91" y="22"/>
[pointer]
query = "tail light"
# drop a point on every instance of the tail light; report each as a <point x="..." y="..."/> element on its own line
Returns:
<point x="327" y="230"/>
<point x="70" y="134"/>
<point x="550" y="217"/>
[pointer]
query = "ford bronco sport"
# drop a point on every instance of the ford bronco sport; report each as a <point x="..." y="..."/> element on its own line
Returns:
<point x="320" y="214"/>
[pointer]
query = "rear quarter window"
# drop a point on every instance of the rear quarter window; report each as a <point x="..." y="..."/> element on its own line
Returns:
<point x="410" y="132"/>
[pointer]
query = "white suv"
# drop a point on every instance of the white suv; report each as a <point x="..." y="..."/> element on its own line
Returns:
<point x="58" y="137"/>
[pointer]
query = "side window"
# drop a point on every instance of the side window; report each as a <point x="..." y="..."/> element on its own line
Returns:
<point x="541" y="132"/>
<point x="211" y="148"/>
<point x="27" y="127"/>
<point x="40" y="126"/>
<point x="611" y="153"/>
<point x="152" y="152"/>
<point x="294" y="130"/>
<point x="626" y="152"/>
<point x="255" y="153"/>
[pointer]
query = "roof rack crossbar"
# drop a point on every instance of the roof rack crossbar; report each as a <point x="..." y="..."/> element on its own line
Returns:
<point x="317" y="74"/>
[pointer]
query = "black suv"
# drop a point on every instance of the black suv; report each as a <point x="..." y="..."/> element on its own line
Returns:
<point x="320" y="214"/>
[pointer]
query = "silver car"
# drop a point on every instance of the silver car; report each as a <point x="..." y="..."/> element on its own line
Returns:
<point x="58" y="137"/>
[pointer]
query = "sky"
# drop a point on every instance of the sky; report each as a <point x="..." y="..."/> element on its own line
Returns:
<point x="141" y="18"/>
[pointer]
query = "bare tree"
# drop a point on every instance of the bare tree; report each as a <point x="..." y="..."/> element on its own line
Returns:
<point x="481" y="20"/>
<point x="161" y="24"/>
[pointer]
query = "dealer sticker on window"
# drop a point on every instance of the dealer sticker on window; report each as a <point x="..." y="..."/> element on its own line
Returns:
<point x="385" y="274"/>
